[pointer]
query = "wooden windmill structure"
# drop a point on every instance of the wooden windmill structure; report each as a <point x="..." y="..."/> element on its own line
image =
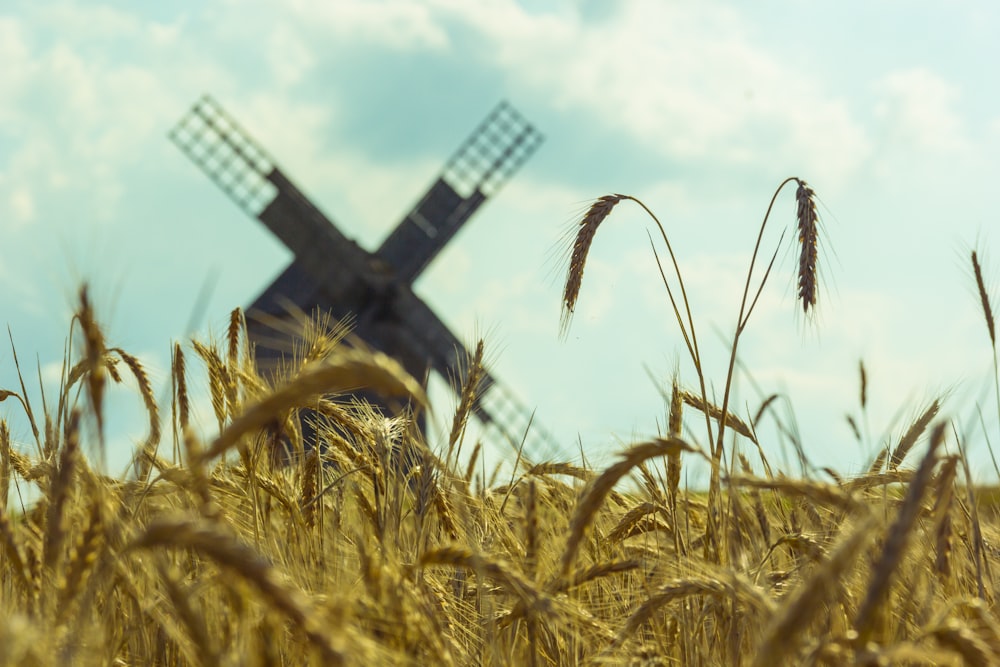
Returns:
<point x="333" y="274"/>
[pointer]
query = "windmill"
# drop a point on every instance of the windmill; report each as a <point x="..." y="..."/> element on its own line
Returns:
<point x="333" y="274"/>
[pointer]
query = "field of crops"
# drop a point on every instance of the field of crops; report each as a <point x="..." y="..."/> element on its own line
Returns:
<point x="249" y="546"/>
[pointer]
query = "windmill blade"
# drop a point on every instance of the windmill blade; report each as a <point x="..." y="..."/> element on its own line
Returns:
<point x="419" y="334"/>
<point x="482" y="164"/>
<point x="226" y="153"/>
<point x="214" y="141"/>
<point x="501" y="411"/>
<point x="334" y="275"/>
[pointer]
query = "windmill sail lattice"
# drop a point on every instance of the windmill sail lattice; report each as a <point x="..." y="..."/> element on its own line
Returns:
<point x="333" y="274"/>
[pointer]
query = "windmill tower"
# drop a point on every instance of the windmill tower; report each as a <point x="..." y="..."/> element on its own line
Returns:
<point x="333" y="274"/>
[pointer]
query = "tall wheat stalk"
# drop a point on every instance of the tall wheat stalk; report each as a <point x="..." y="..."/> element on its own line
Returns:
<point x="807" y="223"/>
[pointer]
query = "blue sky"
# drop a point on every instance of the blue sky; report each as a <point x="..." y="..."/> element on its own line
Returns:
<point x="888" y="109"/>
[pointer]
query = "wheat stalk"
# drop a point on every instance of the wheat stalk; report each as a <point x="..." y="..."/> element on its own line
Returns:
<point x="237" y="557"/>
<point x="896" y="540"/>
<point x="724" y="588"/>
<point x="808" y="600"/>
<point x="599" y="489"/>
<point x="943" y="533"/>
<point x="5" y="464"/>
<point x="58" y="492"/>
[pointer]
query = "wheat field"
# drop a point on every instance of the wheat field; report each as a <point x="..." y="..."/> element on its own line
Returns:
<point x="236" y="543"/>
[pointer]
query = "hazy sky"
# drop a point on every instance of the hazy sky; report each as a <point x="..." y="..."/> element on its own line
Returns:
<point x="888" y="109"/>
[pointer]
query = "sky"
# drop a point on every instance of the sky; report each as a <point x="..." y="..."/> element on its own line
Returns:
<point x="888" y="109"/>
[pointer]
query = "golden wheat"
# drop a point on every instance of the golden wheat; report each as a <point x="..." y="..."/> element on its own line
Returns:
<point x="584" y="238"/>
<point x="350" y="556"/>
<point x="984" y="298"/>
<point x="808" y="234"/>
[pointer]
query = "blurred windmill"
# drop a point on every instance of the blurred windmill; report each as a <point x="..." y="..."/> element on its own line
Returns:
<point x="331" y="274"/>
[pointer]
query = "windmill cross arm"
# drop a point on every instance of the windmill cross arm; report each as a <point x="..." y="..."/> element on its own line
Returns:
<point x="329" y="257"/>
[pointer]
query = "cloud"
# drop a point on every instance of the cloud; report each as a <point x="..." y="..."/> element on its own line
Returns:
<point x="397" y="25"/>
<point x="688" y="82"/>
<point x="917" y="109"/>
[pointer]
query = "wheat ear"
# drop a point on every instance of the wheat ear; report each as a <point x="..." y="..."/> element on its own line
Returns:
<point x="468" y="396"/>
<point x="674" y="425"/>
<point x="216" y="379"/>
<point x="599" y="489"/>
<point x="807" y="218"/>
<point x="181" y="404"/>
<point x="236" y="324"/>
<point x="984" y="298"/>
<point x="913" y="434"/>
<point x="152" y="410"/>
<point x="94" y="355"/>
<point x="715" y="412"/>
<point x="587" y="228"/>
<point x="349" y="369"/>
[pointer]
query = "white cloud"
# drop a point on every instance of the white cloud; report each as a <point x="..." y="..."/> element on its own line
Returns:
<point x="398" y="25"/>
<point x="651" y="72"/>
<point x="22" y="205"/>
<point x="917" y="108"/>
